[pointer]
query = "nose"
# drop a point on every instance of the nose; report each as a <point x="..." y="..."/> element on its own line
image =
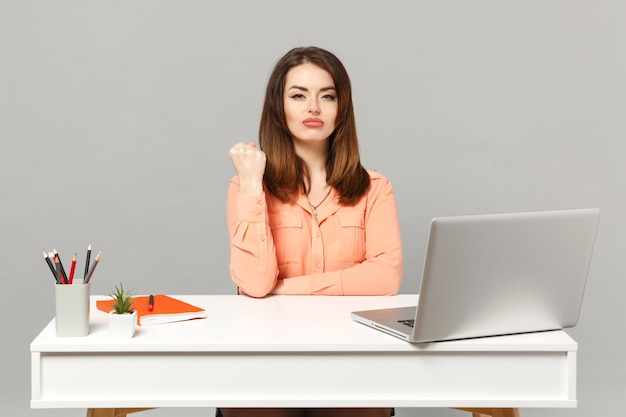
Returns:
<point x="314" y="107"/>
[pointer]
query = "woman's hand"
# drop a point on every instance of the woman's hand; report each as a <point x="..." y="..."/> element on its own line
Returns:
<point x="249" y="164"/>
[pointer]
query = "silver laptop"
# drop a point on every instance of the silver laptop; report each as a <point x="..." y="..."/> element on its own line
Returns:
<point x="497" y="274"/>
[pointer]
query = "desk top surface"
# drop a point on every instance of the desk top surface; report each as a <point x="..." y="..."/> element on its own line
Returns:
<point x="280" y="324"/>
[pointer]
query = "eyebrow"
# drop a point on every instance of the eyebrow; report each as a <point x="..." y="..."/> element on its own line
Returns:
<point x="297" y="87"/>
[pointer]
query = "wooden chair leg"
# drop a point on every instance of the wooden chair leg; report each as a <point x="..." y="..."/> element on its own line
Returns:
<point x="113" y="412"/>
<point x="492" y="412"/>
<point x="101" y="412"/>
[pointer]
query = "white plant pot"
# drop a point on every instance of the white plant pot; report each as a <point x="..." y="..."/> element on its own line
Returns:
<point x="122" y="326"/>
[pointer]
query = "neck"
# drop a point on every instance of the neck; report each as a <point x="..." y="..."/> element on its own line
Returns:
<point x="314" y="155"/>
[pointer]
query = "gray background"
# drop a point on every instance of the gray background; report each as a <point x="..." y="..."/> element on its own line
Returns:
<point x="116" y="118"/>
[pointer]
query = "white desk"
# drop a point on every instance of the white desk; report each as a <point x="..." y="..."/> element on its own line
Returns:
<point x="296" y="351"/>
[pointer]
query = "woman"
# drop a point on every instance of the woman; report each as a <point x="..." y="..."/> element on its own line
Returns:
<point x="304" y="216"/>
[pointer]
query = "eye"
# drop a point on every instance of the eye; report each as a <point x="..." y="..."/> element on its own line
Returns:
<point x="297" y="96"/>
<point x="329" y="97"/>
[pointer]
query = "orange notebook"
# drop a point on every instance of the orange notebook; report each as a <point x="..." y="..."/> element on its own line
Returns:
<point x="165" y="310"/>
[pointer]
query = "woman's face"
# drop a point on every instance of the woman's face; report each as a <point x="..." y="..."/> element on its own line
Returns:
<point x="310" y="103"/>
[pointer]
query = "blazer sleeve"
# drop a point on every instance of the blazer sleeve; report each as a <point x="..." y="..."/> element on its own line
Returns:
<point x="253" y="266"/>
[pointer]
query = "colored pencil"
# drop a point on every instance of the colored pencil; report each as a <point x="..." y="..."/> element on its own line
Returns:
<point x="87" y="260"/>
<point x="63" y="274"/>
<point x="93" y="267"/>
<point x="72" y="268"/>
<point x="50" y="265"/>
<point x="57" y="262"/>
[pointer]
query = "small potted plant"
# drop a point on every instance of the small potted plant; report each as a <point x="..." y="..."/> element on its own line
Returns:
<point x="122" y="319"/>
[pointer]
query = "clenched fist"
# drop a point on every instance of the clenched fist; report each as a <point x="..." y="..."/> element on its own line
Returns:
<point x="249" y="164"/>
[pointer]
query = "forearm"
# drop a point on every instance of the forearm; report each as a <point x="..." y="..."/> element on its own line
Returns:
<point x="381" y="276"/>
<point x="253" y="265"/>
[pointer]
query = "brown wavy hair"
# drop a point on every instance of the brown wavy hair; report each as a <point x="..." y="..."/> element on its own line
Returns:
<point x="285" y="173"/>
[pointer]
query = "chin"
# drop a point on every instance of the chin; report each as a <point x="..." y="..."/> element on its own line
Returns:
<point x="310" y="138"/>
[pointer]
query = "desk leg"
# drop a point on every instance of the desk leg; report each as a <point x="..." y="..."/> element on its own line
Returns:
<point x="492" y="412"/>
<point x="113" y="412"/>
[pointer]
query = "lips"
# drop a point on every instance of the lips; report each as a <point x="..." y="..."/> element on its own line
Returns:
<point x="313" y="122"/>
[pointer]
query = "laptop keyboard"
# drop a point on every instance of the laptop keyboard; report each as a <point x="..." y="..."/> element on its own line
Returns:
<point x="407" y="322"/>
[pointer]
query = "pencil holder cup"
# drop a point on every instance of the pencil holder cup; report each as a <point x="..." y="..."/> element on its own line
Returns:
<point x="72" y="309"/>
